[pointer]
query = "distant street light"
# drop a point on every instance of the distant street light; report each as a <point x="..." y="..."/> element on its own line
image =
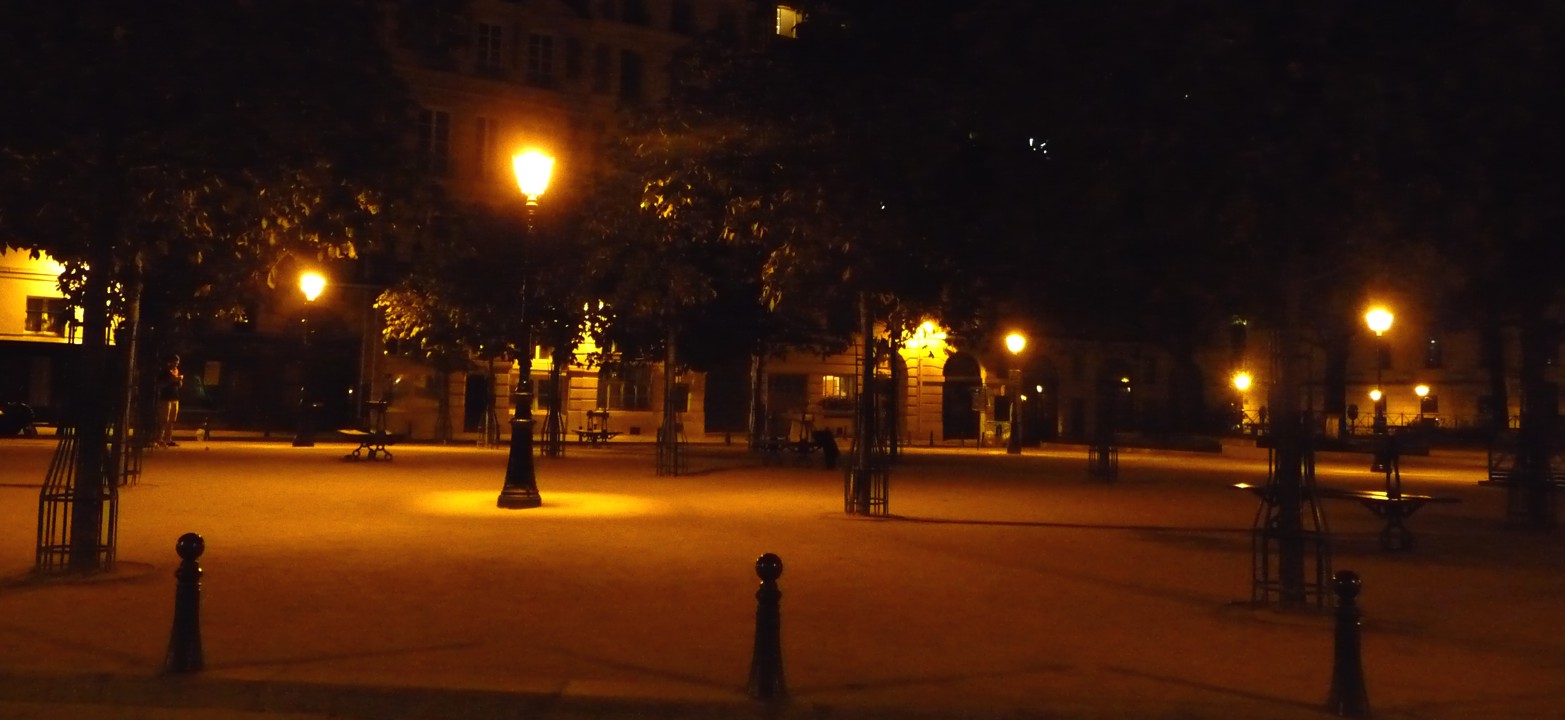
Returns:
<point x="1422" y="391"/>
<point x="1015" y="342"/>
<point x="311" y="284"/>
<point x="533" y="170"/>
<point x="1379" y="320"/>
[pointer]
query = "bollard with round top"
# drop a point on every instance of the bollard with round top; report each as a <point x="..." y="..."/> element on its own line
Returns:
<point x="184" y="645"/>
<point x="766" y="670"/>
<point x="1349" y="698"/>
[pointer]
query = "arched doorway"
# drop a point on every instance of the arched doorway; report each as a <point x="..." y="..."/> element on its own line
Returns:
<point x="958" y="404"/>
<point x="1041" y="386"/>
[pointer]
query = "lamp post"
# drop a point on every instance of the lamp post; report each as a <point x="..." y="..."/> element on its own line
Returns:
<point x="1379" y="320"/>
<point x="521" y="483"/>
<point x="1015" y="342"/>
<point x="1422" y="391"/>
<point x="311" y="284"/>
<point x="1241" y="382"/>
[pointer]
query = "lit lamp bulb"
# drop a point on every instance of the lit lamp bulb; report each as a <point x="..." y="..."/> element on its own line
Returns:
<point x="312" y="284"/>
<point x="1378" y="319"/>
<point x="1421" y="391"/>
<point x="1242" y="381"/>
<point x="1015" y="342"/>
<point x="1375" y="395"/>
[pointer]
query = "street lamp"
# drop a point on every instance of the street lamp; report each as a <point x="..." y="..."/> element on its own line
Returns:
<point x="533" y="169"/>
<point x="1242" y="382"/>
<point x="1015" y="342"/>
<point x="1422" y="391"/>
<point x="1379" y="320"/>
<point x="311" y="284"/>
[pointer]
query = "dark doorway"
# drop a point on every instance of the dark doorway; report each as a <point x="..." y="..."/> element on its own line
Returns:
<point x="475" y="402"/>
<point x="727" y="398"/>
<point x="958" y="409"/>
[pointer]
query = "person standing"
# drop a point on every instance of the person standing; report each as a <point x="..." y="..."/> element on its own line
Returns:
<point x="168" y="401"/>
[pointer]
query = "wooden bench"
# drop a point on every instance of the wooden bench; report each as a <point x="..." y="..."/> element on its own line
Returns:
<point x="1393" y="508"/>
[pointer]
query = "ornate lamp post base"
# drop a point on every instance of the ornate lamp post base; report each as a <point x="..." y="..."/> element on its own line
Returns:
<point x="521" y="484"/>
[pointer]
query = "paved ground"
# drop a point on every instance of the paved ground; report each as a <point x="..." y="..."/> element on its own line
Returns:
<point x="1004" y="587"/>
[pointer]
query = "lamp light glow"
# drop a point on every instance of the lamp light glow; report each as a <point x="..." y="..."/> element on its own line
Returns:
<point x="312" y="284"/>
<point x="1375" y="395"/>
<point x="1242" y="381"/>
<point x="1378" y="319"/>
<point x="532" y="173"/>
<point x="1015" y="342"/>
<point x="1421" y="391"/>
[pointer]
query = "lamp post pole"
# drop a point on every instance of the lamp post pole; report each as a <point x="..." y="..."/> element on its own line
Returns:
<point x="312" y="284"/>
<point x="521" y="483"/>
<point x="1015" y="342"/>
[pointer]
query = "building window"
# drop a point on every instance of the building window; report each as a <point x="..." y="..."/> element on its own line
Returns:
<point x="540" y="60"/>
<point x="434" y="141"/>
<point x="629" y="76"/>
<point x="572" y="59"/>
<point x="788" y="20"/>
<point x="48" y="315"/>
<point x="1429" y="405"/>
<point x="602" y="70"/>
<point x="1434" y="353"/>
<point x="488" y="48"/>
<point x="836" y="386"/>
<point x="625" y="387"/>
<point x="635" y="12"/>
<point x="682" y="17"/>
<point x="484" y="159"/>
<point x="837" y="395"/>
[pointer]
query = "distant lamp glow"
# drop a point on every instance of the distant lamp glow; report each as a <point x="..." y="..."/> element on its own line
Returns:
<point x="1375" y="395"/>
<point x="1378" y="319"/>
<point x="1242" y="381"/>
<point x="532" y="173"/>
<point x="1421" y="391"/>
<point x="312" y="284"/>
<point x="1015" y="342"/>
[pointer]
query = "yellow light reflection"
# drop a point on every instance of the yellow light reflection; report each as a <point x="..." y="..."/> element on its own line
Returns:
<point x="481" y="503"/>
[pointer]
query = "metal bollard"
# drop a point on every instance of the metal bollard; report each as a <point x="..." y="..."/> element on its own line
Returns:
<point x="1349" y="698"/>
<point x="184" y="645"/>
<point x="766" y="670"/>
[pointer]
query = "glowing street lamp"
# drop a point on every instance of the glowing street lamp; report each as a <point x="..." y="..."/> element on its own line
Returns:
<point x="533" y="169"/>
<point x="311" y="285"/>
<point x="1379" y="321"/>
<point x="1015" y="342"/>
<point x="1422" y="391"/>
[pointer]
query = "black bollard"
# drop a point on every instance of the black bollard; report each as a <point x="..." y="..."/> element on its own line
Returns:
<point x="766" y="671"/>
<point x="1349" y="698"/>
<point x="184" y="645"/>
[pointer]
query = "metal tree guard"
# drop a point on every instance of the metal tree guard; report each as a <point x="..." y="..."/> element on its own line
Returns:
<point x="867" y="477"/>
<point x="56" y="503"/>
<point x="553" y="440"/>
<point x="1274" y="528"/>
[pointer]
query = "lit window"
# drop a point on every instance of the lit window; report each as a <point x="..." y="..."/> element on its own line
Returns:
<point x="836" y="386"/>
<point x="48" y="316"/>
<point x="788" y="20"/>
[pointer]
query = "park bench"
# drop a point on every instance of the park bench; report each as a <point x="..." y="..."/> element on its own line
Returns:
<point x="375" y="441"/>
<point x="1393" y="507"/>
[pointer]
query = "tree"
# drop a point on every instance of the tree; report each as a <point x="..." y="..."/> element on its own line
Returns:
<point x="162" y="138"/>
